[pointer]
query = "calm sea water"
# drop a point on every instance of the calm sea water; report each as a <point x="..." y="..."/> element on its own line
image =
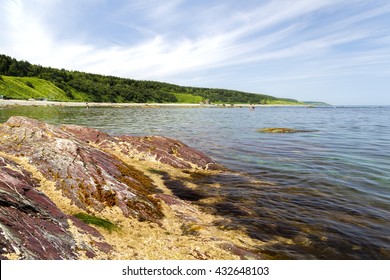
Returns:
<point x="317" y="195"/>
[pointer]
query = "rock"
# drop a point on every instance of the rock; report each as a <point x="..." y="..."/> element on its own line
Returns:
<point x="48" y="173"/>
<point x="151" y="148"/>
<point x="87" y="134"/>
<point x="89" y="177"/>
<point x="243" y="253"/>
<point x="168" y="151"/>
<point x="283" y="130"/>
<point x="31" y="225"/>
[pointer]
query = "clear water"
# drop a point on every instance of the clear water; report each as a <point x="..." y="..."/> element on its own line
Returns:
<point x="317" y="195"/>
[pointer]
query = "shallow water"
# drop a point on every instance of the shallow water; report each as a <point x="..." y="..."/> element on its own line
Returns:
<point x="315" y="195"/>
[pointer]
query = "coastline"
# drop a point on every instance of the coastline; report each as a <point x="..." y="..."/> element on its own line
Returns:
<point x="134" y="183"/>
<point x="16" y="102"/>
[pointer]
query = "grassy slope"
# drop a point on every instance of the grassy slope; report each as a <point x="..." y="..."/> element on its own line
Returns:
<point x="285" y="102"/>
<point x="17" y="88"/>
<point x="188" y="98"/>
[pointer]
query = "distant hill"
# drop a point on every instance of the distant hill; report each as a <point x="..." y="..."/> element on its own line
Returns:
<point x="316" y="103"/>
<point x="23" y="80"/>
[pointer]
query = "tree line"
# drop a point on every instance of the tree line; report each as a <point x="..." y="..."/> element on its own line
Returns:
<point x="100" y="88"/>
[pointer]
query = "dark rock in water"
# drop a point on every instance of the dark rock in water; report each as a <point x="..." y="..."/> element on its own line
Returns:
<point x="31" y="225"/>
<point x="223" y="208"/>
<point x="179" y="189"/>
<point x="283" y="130"/>
<point x="244" y="254"/>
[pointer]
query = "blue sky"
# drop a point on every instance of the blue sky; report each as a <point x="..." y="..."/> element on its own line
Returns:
<point x="336" y="51"/>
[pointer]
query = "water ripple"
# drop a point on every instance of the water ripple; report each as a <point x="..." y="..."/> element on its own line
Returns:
<point x="320" y="195"/>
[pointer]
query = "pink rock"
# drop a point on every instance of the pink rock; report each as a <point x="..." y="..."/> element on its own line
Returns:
<point x="31" y="225"/>
<point x="74" y="158"/>
<point x="85" y="174"/>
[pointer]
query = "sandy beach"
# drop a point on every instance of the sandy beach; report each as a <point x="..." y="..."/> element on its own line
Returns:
<point x="15" y="102"/>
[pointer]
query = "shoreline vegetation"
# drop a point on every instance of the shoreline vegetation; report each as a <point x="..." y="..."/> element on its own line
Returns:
<point x="24" y="81"/>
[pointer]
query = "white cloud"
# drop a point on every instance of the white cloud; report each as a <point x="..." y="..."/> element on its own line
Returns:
<point x="180" y="45"/>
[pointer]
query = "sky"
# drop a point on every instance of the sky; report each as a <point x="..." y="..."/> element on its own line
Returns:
<point x="335" y="51"/>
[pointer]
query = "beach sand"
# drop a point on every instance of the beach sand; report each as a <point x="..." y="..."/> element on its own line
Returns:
<point x="14" y="102"/>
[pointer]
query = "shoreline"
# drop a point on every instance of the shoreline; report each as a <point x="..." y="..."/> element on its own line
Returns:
<point x="123" y="180"/>
<point x="16" y="102"/>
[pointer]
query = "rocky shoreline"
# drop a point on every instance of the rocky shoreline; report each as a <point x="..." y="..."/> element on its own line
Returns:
<point x="48" y="174"/>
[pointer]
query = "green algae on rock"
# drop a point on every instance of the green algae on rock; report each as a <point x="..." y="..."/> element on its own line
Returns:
<point x="93" y="220"/>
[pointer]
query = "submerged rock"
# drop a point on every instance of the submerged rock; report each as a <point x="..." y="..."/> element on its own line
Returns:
<point x="283" y="130"/>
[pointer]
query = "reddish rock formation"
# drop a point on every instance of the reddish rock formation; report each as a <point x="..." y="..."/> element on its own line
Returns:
<point x="77" y="161"/>
<point x="151" y="148"/>
<point x="31" y="226"/>
<point x="84" y="174"/>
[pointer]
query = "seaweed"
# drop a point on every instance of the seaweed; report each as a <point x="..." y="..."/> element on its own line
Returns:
<point x="93" y="220"/>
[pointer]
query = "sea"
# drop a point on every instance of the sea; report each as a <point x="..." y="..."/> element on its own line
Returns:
<point x="321" y="194"/>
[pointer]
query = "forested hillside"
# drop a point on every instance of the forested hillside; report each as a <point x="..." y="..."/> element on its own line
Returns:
<point x="23" y="80"/>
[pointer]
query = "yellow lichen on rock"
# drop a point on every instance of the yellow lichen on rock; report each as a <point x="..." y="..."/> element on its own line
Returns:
<point x="45" y="185"/>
